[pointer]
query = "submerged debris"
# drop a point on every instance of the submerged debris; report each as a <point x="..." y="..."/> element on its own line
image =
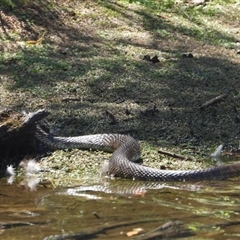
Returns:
<point x="10" y="171"/>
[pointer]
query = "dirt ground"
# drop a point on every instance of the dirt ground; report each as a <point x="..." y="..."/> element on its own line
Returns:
<point x="88" y="63"/>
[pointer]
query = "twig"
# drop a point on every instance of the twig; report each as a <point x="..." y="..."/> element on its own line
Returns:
<point x="174" y="155"/>
<point x="168" y="230"/>
<point x="68" y="99"/>
<point x="213" y="100"/>
<point x="184" y="12"/>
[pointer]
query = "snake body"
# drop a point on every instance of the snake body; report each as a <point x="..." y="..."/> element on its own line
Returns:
<point x="126" y="150"/>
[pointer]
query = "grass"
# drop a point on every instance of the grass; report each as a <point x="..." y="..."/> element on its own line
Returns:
<point x="93" y="51"/>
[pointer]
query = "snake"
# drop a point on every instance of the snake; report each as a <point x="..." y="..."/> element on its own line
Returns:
<point x="126" y="151"/>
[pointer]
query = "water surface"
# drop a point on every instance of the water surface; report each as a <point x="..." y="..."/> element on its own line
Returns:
<point x="112" y="209"/>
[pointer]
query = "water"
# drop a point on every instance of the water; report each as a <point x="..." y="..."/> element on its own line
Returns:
<point x="112" y="209"/>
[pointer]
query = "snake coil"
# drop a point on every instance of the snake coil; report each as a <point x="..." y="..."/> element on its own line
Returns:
<point x="126" y="150"/>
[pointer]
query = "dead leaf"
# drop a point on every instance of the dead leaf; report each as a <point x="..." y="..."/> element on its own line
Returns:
<point x="38" y="41"/>
<point x="135" y="231"/>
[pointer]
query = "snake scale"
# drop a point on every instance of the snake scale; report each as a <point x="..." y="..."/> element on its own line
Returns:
<point x="126" y="150"/>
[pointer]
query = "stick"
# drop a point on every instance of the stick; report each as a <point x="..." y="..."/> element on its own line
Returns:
<point x="68" y="99"/>
<point x="213" y="100"/>
<point x="168" y="230"/>
<point x="174" y="155"/>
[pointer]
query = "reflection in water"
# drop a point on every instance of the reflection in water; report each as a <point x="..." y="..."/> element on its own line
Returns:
<point x="10" y="173"/>
<point x="30" y="169"/>
<point x="30" y="181"/>
<point x="125" y="188"/>
<point x="114" y="208"/>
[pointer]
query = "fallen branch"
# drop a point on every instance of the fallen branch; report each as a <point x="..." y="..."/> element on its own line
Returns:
<point x="213" y="100"/>
<point x="17" y="129"/>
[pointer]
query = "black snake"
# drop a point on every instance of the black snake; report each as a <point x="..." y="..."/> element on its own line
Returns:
<point x="126" y="150"/>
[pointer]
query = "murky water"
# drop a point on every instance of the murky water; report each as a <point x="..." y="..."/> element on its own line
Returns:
<point x="113" y="209"/>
